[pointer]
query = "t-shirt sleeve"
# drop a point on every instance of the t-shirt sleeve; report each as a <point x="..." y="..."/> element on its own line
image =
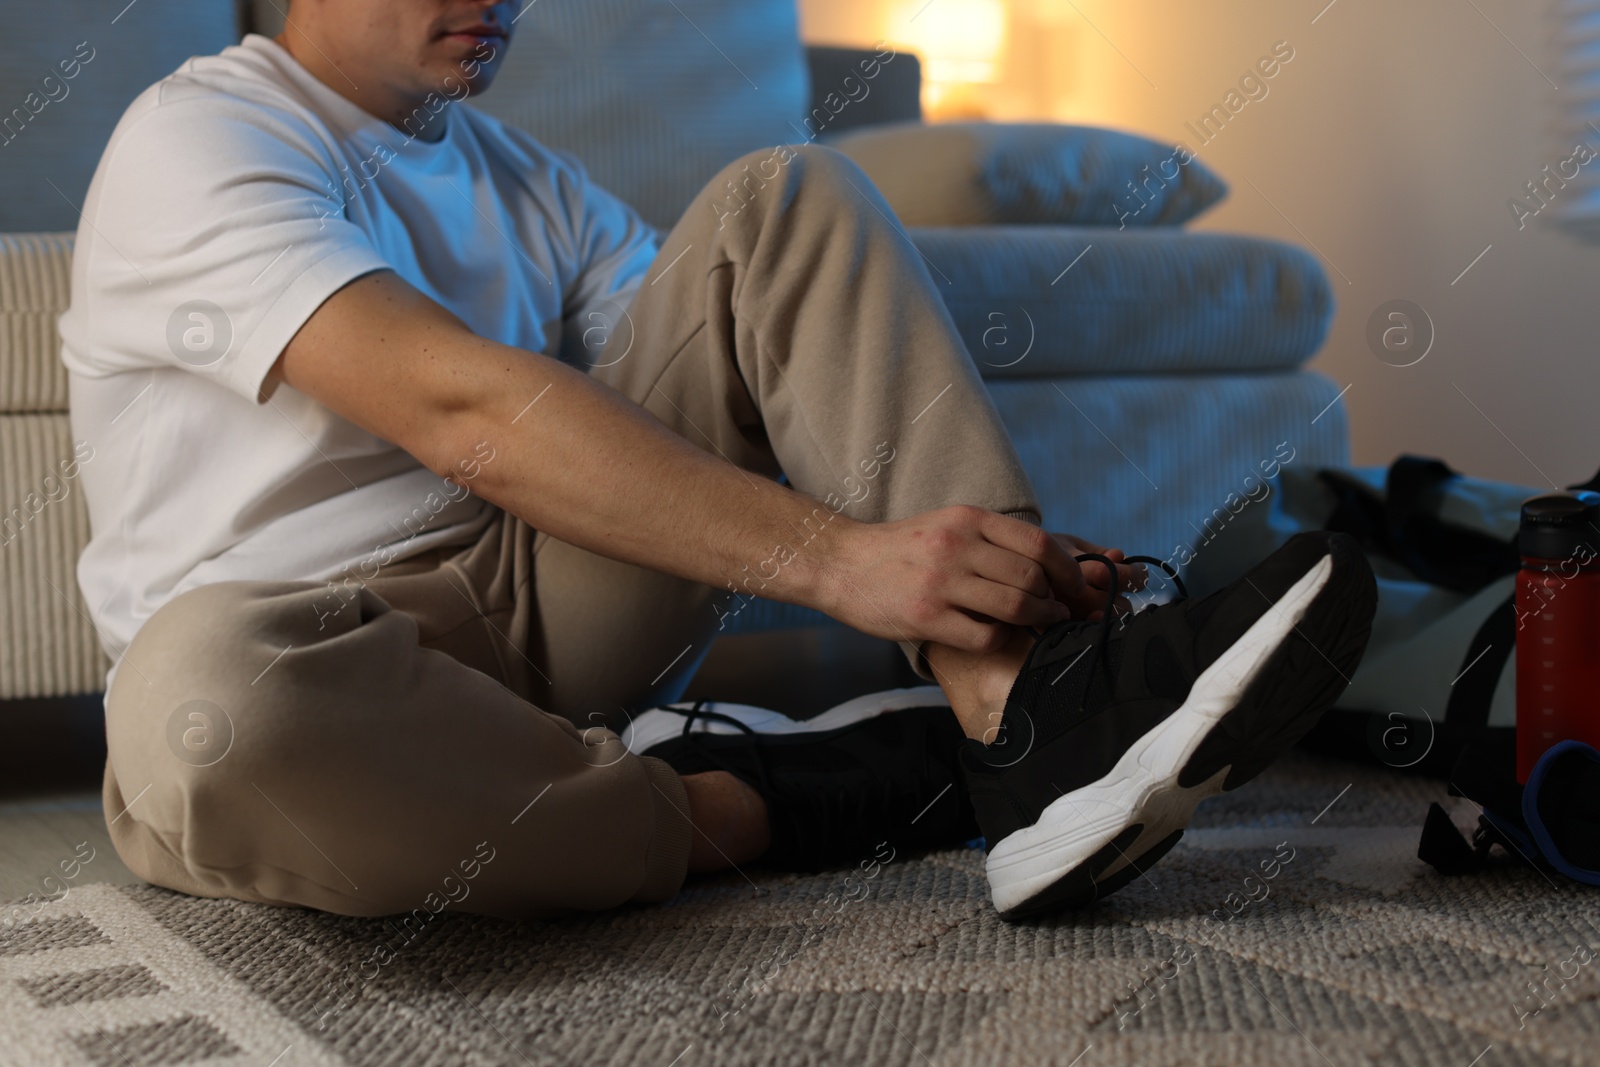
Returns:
<point x="217" y="231"/>
<point x="613" y="249"/>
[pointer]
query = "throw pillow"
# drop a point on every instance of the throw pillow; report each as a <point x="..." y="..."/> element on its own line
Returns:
<point x="988" y="173"/>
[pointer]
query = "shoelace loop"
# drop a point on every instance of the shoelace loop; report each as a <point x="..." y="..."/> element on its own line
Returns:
<point x="1109" y="614"/>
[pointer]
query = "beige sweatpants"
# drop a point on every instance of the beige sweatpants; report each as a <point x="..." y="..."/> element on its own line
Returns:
<point x="441" y="740"/>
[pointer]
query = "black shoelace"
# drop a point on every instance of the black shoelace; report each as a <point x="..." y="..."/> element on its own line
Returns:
<point x="699" y="712"/>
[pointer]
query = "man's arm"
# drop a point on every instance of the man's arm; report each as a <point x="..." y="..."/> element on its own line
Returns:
<point x="591" y="468"/>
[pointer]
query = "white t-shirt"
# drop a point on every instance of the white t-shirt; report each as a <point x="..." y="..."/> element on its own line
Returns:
<point x="234" y="197"/>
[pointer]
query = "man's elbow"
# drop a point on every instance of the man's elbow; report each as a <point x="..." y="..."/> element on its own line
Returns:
<point x="466" y="459"/>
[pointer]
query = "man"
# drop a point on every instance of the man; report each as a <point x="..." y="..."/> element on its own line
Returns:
<point x="385" y="536"/>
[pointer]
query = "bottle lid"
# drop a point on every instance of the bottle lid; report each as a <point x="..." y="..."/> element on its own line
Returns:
<point x="1561" y="526"/>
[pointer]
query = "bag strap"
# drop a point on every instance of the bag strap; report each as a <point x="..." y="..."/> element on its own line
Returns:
<point x="1486" y="772"/>
<point x="1472" y="693"/>
<point x="1357" y="511"/>
<point x="1413" y="481"/>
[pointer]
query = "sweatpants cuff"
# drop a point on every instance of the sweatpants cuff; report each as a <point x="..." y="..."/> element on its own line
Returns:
<point x="667" y="863"/>
<point x="918" y="659"/>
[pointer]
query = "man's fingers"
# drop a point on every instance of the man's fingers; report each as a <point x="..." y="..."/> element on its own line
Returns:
<point x="1008" y="604"/>
<point x="1083" y="544"/>
<point x="1135" y="578"/>
<point x="1023" y="538"/>
<point x="1043" y="548"/>
<point x="961" y="631"/>
<point x="1023" y="575"/>
<point x="1086" y="602"/>
<point x="1008" y="568"/>
<point x="1130" y="576"/>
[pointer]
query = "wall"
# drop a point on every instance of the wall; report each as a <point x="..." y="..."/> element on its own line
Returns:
<point x="1391" y="142"/>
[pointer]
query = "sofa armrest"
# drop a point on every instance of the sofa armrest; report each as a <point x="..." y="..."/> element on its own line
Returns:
<point x="1048" y="301"/>
<point x="865" y="91"/>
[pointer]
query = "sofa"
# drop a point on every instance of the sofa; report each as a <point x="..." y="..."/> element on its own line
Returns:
<point x="1147" y="374"/>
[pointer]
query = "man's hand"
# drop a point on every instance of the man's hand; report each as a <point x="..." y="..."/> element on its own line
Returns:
<point x="962" y="576"/>
<point x="1089" y="601"/>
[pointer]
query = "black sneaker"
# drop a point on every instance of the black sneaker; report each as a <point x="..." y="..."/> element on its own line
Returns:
<point x="880" y="768"/>
<point x="1115" y="730"/>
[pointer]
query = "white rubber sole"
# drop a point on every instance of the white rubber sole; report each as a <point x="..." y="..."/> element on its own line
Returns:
<point x="659" y="724"/>
<point x="1142" y="789"/>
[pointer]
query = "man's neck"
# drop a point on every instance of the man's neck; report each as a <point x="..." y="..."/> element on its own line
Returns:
<point x="370" y="95"/>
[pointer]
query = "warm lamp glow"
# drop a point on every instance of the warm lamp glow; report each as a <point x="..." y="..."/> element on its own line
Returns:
<point x="961" y="43"/>
<point x="961" y="40"/>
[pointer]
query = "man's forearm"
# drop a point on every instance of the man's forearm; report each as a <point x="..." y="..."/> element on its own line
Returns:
<point x="573" y="457"/>
<point x="579" y="461"/>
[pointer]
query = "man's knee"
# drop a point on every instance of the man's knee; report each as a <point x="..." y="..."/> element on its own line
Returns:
<point x="209" y="637"/>
<point x="227" y="693"/>
<point x="214" y="674"/>
<point x="770" y="179"/>
<point x="824" y="167"/>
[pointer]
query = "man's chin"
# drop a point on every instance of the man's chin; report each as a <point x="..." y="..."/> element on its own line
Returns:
<point x="479" y="85"/>
<point x="446" y="80"/>
<point x="453" y="66"/>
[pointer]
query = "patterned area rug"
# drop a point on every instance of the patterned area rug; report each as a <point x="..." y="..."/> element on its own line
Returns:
<point x="1293" y="925"/>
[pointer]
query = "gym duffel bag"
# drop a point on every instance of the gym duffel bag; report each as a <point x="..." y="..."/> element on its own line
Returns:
<point x="1439" y="665"/>
<point x="1436" y="690"/>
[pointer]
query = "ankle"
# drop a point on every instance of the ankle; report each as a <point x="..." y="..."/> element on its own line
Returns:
<point x="729" y="819"/>
<point x="977" y="684"/>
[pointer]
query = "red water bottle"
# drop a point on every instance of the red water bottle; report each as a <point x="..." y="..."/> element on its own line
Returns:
<point x="1558" y="625"/>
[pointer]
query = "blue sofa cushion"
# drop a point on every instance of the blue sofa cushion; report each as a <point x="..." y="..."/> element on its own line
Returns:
<point x="1037" y="301"/>
<point x="655" y="98"/>
<point x="980" y="173"/>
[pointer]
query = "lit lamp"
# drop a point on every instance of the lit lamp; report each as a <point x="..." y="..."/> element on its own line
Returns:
<point x="960" y="42"/>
